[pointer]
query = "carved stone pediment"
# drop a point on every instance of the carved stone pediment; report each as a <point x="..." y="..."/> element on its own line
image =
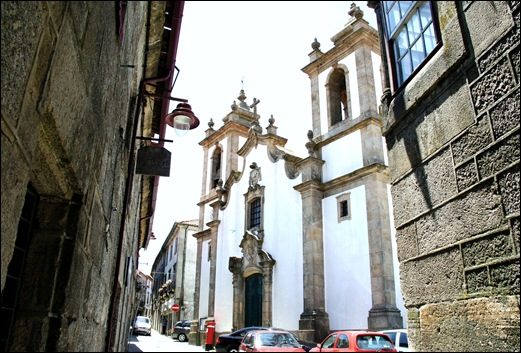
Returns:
<point x="251" y="245"/>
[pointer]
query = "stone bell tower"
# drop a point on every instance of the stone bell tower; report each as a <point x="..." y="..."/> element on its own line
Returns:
<point x="347" y="140"/>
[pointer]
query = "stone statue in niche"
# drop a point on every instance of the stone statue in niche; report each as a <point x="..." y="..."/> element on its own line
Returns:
<point x="255" y="175"/>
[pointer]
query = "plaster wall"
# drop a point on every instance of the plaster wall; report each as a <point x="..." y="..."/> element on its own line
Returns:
<point x="346" y="262"/>
<point x="342" y="156"/>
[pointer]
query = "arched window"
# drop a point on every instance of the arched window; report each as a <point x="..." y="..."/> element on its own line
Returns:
<point x="216" y="166"/>
<point x="338" y="97"/>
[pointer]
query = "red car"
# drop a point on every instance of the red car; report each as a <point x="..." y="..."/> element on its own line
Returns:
<point x="270" y="341"/>
<point x="355" y="341"/>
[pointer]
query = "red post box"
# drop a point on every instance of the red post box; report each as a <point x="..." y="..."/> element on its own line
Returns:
<point x="210" y="335"/>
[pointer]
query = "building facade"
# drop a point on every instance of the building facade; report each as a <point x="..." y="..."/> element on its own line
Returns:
<point x="450" y="110"/>
<point x="74" y="212"/>
<point x="174" y="273"/>
<point x="302" y="243"/>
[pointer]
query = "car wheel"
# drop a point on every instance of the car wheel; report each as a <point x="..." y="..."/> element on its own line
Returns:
<point x="181" y="337"/>
<point x="232" y="349"/>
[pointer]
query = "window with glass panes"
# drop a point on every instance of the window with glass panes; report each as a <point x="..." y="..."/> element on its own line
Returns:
<point x="411" y="33"/>
<point x="255" y="213"/>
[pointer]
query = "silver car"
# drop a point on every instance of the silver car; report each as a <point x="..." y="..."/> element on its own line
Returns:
<point x="142" y="325"/>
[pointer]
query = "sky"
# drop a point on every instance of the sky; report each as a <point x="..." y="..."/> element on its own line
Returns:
<point x="226" y="46"/>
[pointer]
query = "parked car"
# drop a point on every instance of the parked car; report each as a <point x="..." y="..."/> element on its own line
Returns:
<point x="270" y="341"/>
<point x="182" y="330"/>
<point x="142" y="325"/>
<point x="355" y="341"/>
<point x="399" y="338"/>
<point x="230" y="342"/>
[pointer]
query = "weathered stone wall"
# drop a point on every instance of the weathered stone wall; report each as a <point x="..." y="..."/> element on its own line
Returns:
<point x="67" y="106"/>
<point x="453" y="141"/>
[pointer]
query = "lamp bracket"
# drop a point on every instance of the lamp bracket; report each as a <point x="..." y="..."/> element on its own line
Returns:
<point x="153" y="95"/>
<point x="153" y="139"/>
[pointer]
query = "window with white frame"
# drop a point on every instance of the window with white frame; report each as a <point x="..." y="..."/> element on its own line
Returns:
<point x="412" y="33"/>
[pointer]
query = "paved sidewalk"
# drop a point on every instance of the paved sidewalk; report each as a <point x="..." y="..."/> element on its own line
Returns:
<point x="160" y="343"/>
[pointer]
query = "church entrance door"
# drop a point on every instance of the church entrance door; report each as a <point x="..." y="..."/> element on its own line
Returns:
<point x="253" y="302"/>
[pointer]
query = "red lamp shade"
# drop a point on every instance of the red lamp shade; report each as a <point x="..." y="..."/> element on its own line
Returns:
<point x="182" y="118"/>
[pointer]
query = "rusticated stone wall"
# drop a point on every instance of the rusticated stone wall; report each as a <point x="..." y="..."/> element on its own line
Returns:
<point x="454" y="151"/>
<point x="67" y="105"/>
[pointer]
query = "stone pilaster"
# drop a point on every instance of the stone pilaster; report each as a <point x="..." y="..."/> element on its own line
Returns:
<point x="384" y="314"/>
<point x="314" y="321"/>
<point x="365" y="77"/>
<point x="214" y="227"/>
<point x="315" y="103"/>
<point x="235" y="267"/>
<point x="267" y="304"/>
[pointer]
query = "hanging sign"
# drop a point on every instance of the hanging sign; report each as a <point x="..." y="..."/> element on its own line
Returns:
<point x="153" y="160"/>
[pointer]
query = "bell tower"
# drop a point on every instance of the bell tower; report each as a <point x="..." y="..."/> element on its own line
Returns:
<point x="345" y="88"/>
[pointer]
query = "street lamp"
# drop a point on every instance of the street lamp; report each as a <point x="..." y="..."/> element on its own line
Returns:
<point x="182" y="119"/>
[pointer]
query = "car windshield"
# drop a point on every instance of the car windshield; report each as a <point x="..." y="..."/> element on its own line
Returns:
<point x="373" y="342"/>
<point x="142" y="320"/>
<point x="277" y="339"/>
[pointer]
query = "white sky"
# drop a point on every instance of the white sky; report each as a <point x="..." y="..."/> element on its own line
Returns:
<point x="263" y="43"/>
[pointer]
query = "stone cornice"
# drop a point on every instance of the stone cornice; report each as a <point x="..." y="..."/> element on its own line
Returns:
<point x="309" y="185"/>
<point x="254" y="139"/>
<point x="363" y="36"/>
<point x="376" y="168"/>
<point x="227" y="129"/>
<point x="202" y="234"/>
<point x="346" y="127"/>
<point x="328" y="187"/>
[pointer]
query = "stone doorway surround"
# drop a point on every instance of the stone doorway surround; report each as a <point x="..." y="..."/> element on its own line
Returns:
<point x="255" y="260"/>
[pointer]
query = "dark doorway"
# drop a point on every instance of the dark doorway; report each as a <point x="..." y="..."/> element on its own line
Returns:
<point x="15" y="270"/>
<point x="253" y="305"/>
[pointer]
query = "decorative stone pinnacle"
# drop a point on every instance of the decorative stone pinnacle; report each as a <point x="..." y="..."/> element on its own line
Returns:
<point x="310" y="145"/>
<point x="315" y="45"/>
<point x="355" y="11"/>
<point x="234" y="106"/>
<point x="242" y="98"/>
<point x="271" y="120"/>
<point x="211" y="123"/>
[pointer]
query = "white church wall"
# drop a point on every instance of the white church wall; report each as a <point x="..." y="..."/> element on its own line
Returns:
<point x="231" y="230"/>
<point x="376" y="60"/>
<point x="342" y="156"/>
<point x="204" y="287"/>
<point x="399" y="298"/>
<point x="346" y="262"/>
<point x="283" y="240"/>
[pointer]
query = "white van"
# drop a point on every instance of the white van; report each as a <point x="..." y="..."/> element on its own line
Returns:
<point x="399" y="338"/>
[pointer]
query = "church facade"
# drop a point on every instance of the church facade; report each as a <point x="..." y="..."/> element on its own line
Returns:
<point x="303" y="243"/>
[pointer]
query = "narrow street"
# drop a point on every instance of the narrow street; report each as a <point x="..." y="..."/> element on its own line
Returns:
<point x="159" y="343"/>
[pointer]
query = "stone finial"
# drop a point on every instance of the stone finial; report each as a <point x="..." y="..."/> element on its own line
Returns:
<point x="242" y="98"/>
<point x="234" y="105"/>
<point x="272" y="129"/>
<point x="210" y="129"/>
<point x="315" y="45"/>
<point x="310" y="145"/>
<point x="355" y="11"/>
